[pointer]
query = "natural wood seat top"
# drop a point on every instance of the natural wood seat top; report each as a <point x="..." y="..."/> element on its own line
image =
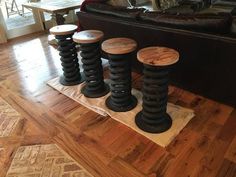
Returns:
<point x="63" y="29"/>
<point x="88" y="36"/>
<point x="158" y="56"/>
<point x="119" y="45"/>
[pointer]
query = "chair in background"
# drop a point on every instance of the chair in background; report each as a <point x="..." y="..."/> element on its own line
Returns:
<point x="12" y="8"/>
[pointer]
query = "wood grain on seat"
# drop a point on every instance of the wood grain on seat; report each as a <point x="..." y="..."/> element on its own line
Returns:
<point x="63" y="29"/>
<point x="158" y="56"/>
<point x="119" y="46"/>
<point x="88" y="36"/>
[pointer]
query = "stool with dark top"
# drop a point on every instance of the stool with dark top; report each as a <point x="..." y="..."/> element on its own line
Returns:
<point x="119" y="52"/>
<point x="90" y="48"/>
<point x="157" y="61"/>
<point x="68" y="52"/>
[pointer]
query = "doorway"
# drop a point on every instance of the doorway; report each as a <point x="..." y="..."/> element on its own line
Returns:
<point x="16" y="20"/>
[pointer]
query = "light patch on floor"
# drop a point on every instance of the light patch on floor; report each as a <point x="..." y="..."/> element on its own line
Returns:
<point x="44" y="161"/>
<point x="9" y="118"/>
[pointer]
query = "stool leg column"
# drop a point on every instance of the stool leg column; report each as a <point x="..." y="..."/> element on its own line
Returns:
<point x="121" y="99"/>
<point x="93" y="70"/>
<point x="69" y="61"/>
<point x="153" y="118"/>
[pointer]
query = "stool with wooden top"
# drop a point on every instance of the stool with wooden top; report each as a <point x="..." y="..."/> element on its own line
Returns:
<point x="157" y="61"/>
<point x="90" y="48"/>
<point x="119" y="52"/>
<point x="68" y="52"/>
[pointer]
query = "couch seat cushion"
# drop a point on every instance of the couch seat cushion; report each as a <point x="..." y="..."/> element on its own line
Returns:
<point x="196" y="5"/>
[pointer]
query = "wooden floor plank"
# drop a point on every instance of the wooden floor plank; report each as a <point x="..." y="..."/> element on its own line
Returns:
<point x="228" y="169"/>
<point x="231" y="151"/>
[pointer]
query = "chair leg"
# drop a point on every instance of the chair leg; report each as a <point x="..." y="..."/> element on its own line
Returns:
<point x="7" y="10"/>
<point x="23" y="11"/>
<point x="18" y="11"/>
<point x="12" y="8"/>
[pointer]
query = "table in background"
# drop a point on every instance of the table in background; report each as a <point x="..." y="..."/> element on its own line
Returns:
<point x="57" y="9"/>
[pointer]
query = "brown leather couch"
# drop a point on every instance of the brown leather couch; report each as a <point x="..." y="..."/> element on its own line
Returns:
<point x="206" y="43"/>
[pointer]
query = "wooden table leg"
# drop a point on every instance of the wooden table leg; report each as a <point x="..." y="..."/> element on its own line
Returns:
<point x="58" y="18"/>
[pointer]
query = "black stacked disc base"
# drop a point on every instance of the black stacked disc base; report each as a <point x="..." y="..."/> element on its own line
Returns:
<point x="153" y="118"/>
<point x="121" y="99"/>
<point x="69" y="61"/>
<point x="132" y="104"/>
<point x="96" y="94"/>
<point x="64" y="81"/>
<point x="153" y="128"/>
<point x="91" y="58"/>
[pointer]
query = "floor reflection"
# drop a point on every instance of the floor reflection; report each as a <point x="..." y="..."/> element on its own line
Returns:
<point x="36" y="62"/>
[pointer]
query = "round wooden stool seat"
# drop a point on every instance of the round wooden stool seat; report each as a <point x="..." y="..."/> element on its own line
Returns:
<point x="63" y="29"/>
<point x="88" y="36"/>
<point x="118" y="46"/>
<point x="158" y="56"/>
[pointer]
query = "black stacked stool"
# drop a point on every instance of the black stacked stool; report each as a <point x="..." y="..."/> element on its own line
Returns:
<point x="119" y="52"/>
<point x="90" y="48"/>
<point x="157" y="61"/>
<point x="68" y="52"/>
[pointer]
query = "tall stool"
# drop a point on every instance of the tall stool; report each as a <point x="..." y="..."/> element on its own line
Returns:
<point x="157" y="60"/>
<point x="90" y="48"/>
<point x="69" y="61"/>
<point x="119" y="52"/>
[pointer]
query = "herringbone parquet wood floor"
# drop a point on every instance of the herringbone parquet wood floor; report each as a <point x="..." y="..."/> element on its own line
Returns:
<point x="205" y="148"/>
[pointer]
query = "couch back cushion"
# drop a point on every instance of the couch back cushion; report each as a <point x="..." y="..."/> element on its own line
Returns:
<point x="117" y="11"/>
<point x="123" y="3"/>
<point x="196" y="4"/>
<point x="165" y="4"/>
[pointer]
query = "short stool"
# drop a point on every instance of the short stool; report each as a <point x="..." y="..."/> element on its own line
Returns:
<point x="119" y="52"/>
<point x="90" y="48"/>
<point x="157" y="61"/>
<point x="68" y="52"/>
